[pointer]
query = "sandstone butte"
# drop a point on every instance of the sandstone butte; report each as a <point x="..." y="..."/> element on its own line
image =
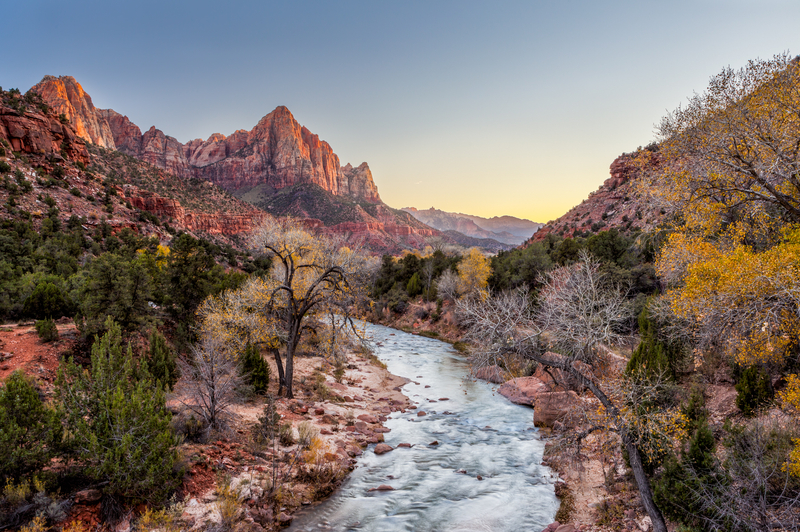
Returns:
<point x="278" y="151"/>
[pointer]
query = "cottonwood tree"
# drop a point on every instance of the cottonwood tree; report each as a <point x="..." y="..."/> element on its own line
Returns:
<point x="311" y="275"/>
<point x="474" y="270"/>
<point x="578" y="314"/>
<point x="241" y="318"/>
<point x="733" y="150"/>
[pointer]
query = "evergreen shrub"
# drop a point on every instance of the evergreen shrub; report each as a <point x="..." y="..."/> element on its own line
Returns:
<point x="754" y="390"/>
<point x="255" y="370"/>
<point x="47" y="330"/>
<point x="30" y="431"/>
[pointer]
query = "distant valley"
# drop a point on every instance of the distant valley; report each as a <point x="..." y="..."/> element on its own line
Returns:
<point x="504" y="229"/>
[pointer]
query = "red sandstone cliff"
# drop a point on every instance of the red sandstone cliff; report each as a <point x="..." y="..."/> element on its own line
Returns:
<point x="36" y="132"/>
<point x="66" y="96"/>
<point x="278" y="151"/>
<point x="210" y="223"/>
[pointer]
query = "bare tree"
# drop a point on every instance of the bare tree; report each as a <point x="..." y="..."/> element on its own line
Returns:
<point x="211" y="379"/>
<point x="578" y="314"/>
<point x="447" y="285"/>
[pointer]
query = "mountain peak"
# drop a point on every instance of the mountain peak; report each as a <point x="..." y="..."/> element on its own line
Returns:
<point x="277" y="152"/>
<point x="66" y="96"/>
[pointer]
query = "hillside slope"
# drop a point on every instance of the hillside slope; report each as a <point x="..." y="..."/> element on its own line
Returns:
<point x="617" y="203"/>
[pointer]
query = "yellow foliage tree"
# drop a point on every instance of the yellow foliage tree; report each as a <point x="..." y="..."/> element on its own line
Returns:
<point x="732" y="152"/>
<point x="311" y="276"/>
<point x="473" y="272"/>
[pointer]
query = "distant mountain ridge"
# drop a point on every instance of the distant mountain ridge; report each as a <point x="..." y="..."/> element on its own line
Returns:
<point x="278" y="151"/>
<point x="506" y="229"/>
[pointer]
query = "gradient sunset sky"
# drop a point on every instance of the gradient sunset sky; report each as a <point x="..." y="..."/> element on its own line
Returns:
<point x="487" y="108"/>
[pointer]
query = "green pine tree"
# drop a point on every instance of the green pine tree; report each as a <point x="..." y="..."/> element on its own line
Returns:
<point x="161" y="360"/>
<point x="30" y="431"/>
<point x="653" y="357"/>
<point x="414" y="286"/>
<point x="118" y="423"/>
<point x="255" y="369"/>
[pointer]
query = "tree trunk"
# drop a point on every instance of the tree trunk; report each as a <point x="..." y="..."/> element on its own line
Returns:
<point x="643" y="483"/>
<point x="289" y="371"/>
<point x="279" y="364"/>
<point x="635" y="459"/>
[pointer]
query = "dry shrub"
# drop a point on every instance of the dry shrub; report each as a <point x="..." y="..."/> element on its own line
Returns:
<point x="323" y="470"/>
<point x="316" y="447"/>
<point x="307" y="433"/>
<point x="16" y="494"/>
<point x="611" y="512"/>
<point x="567" y="508"/>
<point x="37" y="525"/>
<point x="76" y="526"/>
<point x="164" y="520"/>
<point x="227" y="504"/>
<point x="286" y="435"/>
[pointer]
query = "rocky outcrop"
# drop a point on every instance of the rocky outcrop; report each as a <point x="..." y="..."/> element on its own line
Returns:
<point x="523" y="390"/>
<point x="548" y="405"/>
<point x="278" y="151"/>
<point x="164" y="152"/>
<point x="493" y="374"/>
<point x="126" y="135"/>
<point x="211" y="223"/>
<point x="616" y="204"/>
<point x="37" y="132"/>
<point x="66" y="96"/>
<point x="358" y="182"/>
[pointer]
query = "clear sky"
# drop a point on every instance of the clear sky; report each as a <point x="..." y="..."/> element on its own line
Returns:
<point x="487" y="108"/>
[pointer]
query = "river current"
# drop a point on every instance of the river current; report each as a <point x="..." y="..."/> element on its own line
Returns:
<point x="436" y="487"/>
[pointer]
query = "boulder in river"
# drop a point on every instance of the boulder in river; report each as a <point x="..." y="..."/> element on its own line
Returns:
<point x="383" y="448"/>
<point x="523" y="390"/>
<point x="494" y="374"/>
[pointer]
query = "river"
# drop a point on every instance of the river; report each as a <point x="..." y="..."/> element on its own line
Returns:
<point x="436" y="487"/>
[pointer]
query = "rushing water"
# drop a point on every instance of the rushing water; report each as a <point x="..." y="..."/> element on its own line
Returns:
<point x="478" y="431"/>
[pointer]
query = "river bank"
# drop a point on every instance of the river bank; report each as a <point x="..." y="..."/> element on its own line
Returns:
<point x="596" y="491"/>
<point x="347" y="416"/>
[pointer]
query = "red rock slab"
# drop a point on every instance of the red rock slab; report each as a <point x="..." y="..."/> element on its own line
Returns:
<point x="523" y="390"/>
<point x="383" y="448"/>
